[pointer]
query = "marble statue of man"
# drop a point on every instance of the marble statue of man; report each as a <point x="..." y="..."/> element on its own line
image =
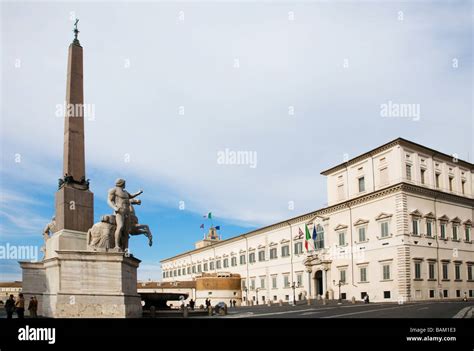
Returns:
<point x="119" y="200"/>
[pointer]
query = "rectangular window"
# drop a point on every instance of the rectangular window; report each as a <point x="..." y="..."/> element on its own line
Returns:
<point x="445" y="271"/>
<point x="274" y="282"/>
<point x="363" y="274"/>
<point x="445" y="293"/>
<point x="455" y="232"/>
<point x="226" y="263"/>
<point x="469" y="272"/>
<point x="443" y="230"/>
<point x="386" y="271"/>
<point x="429" y="228"/>
<point x="431" y="270"/>
<point x="414" y="226"/>
<point x="252" y="284"/>
<point x="285" y="251"/>
<point x="362" y="234"/>
<point x="298" y="248"/>
<point x="261" y="256"/>
<point x="342" y="275"/>
<point x="432" y="293"/>
<point x="299" y="279"/>
<point x="242" y="259"/>
<point x="417" y="270"/>
<point x="199" y="269"/>
<point x="386" y="294"/>
<point x="384" y="229"/>
<point x="252" y="257"/>
<point x="361" y="181"/>
<point x="273" y="253"/>
<point x="205" y="268"/>
<point x="422" y="176"/>
<point x="457" y="272"/>
<point x="194" y="269"/>
<point x="450" y="183"/>
<point x="342" y="238"/>
<point x="233" y="261"/>
<point x="211" y="266"/>
<point x="286" y="281"/>
<point x="384" y="176"/>
<point x="463" y="185"/>
<point x="188" y="270"/>
<point x="340" y="192"/>
<point x="218" y="264"/>
<point x="408" y="172"/>
<point x="467" y="233"/>
<point x="262" y="283"/>
<point x="437" y="180"/>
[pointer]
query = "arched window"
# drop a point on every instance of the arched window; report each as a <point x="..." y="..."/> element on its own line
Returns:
<point x="319" y="242"/>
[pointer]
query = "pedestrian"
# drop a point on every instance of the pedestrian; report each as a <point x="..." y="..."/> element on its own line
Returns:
<point x="20" y="306"/>
<point x="191" y="304"/>
<point x="33" y="307"/>
<point x="465" y="297"/>
<point x="366" y="298"/>
<point x="10" y="307"/>
<point x="234" y="302"/>
<point x="231" y="304"/>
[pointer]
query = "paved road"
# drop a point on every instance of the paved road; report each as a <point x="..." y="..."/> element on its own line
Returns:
<point x="432" y="309"/>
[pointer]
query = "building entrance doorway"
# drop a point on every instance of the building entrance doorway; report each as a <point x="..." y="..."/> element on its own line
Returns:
<point x="319" y="282"/>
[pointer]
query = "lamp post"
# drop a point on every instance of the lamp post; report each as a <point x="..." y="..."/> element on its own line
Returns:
<point x="293" y="286"/>
<point x="246" y="295"/>
<point x="339" y="285"/>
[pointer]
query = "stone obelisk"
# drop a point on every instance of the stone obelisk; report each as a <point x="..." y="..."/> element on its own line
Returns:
<point x="74" y="200"/>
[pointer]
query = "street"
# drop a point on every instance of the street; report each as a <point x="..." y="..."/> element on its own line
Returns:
<point x="429" y="309"/>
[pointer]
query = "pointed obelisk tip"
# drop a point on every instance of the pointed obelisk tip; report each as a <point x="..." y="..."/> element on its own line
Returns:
<point x="76" y="32"/>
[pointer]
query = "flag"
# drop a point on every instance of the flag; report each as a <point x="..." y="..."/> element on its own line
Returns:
<point x="308" y="237"/>
<point x="218" y="227"/>
<point x="202" y="226"/>
<point x="209" y="215"/>
<point x="315" y="234"/>
<point x="300" y="233"/>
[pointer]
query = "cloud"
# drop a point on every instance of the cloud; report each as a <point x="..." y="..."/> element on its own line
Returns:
<point x="189" y="67"/>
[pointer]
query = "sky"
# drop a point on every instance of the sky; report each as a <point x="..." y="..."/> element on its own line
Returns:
<point x="177" y="87"/>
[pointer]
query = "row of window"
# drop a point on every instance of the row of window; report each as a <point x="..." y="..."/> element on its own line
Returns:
<point x="418" y="271"/>
<point x="386" y="274"/>
<point x="416" y="229"/>
<point x="451" y="180"/>
<point x="252" y="258"/>
<point x="274" y="282"/>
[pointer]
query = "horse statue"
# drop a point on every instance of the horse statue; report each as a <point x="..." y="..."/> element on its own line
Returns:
<point x="135" y="227"/>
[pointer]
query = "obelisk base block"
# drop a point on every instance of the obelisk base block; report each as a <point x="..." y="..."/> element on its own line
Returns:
<point x="84" y="284"/>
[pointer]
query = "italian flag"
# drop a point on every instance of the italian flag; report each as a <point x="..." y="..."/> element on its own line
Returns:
<point x="209" y="215"/>
<point x="308" y="236"/>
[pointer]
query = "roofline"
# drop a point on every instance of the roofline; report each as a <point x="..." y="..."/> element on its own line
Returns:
<point x="302" y="217"/>
<point x="398" y="141"/>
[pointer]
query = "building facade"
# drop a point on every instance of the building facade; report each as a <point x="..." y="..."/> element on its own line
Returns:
<point x="398" y="227"/>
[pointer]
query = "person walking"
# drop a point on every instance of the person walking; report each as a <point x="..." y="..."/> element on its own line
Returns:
<point x="33" y="307"/>
<point x="191" y="304"/>
<point x="10" y="307"/>
<point x="366" y="298"/>
<point x="20" y="306"/>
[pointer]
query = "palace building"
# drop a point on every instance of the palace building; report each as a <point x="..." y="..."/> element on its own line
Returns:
<point x="398" y="227"/>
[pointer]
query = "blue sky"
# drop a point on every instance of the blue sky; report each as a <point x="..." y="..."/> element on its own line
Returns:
<point x="236" y="69"/>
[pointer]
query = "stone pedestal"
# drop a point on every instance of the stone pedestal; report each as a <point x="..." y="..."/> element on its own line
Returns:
<point x="74" y="209"/>
<point x="65" y="240"/>
<point x="84" y="284"/>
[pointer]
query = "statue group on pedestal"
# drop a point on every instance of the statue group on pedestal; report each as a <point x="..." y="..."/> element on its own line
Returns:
<point x="113" y="231"/>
